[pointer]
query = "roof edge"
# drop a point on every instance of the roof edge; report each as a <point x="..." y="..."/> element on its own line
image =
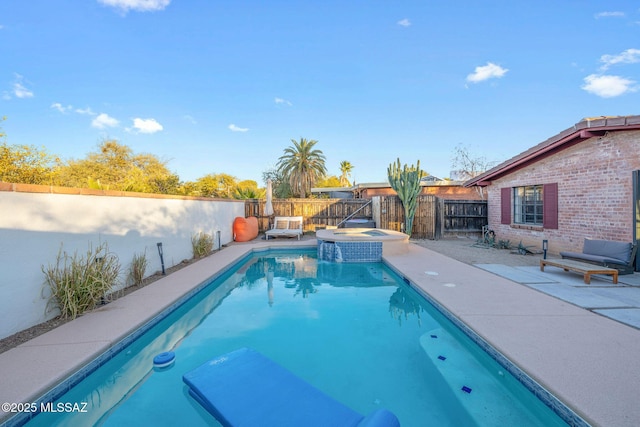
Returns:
<point x="585" y="129"/>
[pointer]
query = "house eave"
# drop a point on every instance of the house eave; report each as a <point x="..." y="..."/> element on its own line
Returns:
<point x="582" y="131"/>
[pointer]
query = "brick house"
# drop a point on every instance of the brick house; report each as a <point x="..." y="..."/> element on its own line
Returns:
<point x="581" y="183"/>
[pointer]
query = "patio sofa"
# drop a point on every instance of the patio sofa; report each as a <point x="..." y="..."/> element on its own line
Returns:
<point x="288" y="226"/>
<point x="618" y="255"/>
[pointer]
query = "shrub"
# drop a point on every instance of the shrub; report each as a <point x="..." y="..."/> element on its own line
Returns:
<point x="202" y="244"/>
<point x="504" y="244"/>
<point x="78" y="283"/>
<point x="138" y="268"/>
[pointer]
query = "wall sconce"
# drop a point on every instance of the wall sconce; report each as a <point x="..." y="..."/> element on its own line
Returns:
<point x="545" y="247"/>
<point x="161" y="257"/>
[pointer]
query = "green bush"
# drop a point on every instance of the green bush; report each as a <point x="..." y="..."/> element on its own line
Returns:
<point x="202" y="244"/>
<point x="138" y="268"/>
<point x="504" y="244"/>
<point x="78" y="283"/>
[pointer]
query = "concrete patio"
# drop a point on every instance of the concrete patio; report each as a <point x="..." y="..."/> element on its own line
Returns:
<point x="535" y="319"/>
<point x="620" y="302"/>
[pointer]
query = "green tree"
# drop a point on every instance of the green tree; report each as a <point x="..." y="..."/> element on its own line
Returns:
<point x="279" y="184"/>
<point x="248" y="189"/>
<point x="302" y="165"/>
<point x="345" y="173"/>
<point x="330" y="181"/>
<point x="220" y="185"/>
<point x="115" y="167"/>
<point x="26" y="164"/>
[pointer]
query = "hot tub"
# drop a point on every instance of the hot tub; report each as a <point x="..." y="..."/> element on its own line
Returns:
<point x="359" y="244"/>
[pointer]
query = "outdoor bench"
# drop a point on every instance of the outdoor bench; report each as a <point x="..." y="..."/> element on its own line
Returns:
<point x="586" y="269"/>
<point x="289" y="226"/>
<point x="607" y="253"/>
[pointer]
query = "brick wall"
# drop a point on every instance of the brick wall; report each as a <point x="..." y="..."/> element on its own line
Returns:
<point x="594" y="193"/>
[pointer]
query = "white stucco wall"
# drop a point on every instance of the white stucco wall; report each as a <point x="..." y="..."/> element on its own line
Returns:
<point x="33" y="226"/>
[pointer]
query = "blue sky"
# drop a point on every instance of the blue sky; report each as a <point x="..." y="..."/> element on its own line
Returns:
<point x="223" y="86"/>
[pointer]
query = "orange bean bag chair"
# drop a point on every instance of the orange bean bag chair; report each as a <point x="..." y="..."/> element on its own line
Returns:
<point x="245" y="229"/>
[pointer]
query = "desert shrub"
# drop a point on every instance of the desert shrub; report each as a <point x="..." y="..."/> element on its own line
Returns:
<point x="138" y="268"/>
<point x="523" y="249"/>
<point x="202" y="244"/>
<point x="78" y="283"/>
<point x="504" y="244"/>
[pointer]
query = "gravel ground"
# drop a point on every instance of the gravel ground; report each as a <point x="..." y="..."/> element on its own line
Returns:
<point x="467" y="250"/>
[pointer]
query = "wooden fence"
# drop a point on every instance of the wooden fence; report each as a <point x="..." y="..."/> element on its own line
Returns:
<point x="434" y="217"/>
<point x="316" y="212"/>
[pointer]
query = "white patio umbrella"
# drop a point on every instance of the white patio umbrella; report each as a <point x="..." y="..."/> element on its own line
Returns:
<point x="268" y="206"/>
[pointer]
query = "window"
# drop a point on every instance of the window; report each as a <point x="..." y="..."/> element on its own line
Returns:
<point x="528" y="206"/>
<point x="534" y="205"/>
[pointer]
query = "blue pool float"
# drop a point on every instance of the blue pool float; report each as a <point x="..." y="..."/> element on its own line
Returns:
<point x="163" y="360"/>
<point x="245" y="388"/>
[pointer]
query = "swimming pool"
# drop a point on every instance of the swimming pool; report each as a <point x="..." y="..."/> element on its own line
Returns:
<point x="355" y="331"/>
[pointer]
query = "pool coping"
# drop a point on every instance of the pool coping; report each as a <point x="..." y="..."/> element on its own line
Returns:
<point x="540" y="333"/>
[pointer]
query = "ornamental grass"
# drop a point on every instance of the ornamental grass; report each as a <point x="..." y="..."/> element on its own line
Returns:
<point x="78" y="283"/>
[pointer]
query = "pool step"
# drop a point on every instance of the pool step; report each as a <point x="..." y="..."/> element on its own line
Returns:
<point x="484" y="394"/>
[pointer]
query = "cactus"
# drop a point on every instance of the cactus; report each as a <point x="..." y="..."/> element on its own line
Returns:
<point x="406" y="183"/>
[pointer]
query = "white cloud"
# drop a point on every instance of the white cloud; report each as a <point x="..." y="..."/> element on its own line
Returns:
<point x="235" y="128"/>
<point x="190" y="119"/>
<point x="104" y="121"/>
<point x="610" y="15"/>
<point x="608" y="86"/>
<point x="486" y="72"/>
<point x="146" y="125"/>
<point x="629" y="56"/>
<point x="86" y="111"/>
<point x="137" y="5"/>
<point x="61" y="108"/>
<point x="19" y="89"/>
<point x="282" y="101"/>
<point x="69" y="108"/>
<point x="404" y="23"/>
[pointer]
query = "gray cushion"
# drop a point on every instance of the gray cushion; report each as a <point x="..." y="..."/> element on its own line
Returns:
<point x="592" y="258"/>
<point x="606" y="248"/>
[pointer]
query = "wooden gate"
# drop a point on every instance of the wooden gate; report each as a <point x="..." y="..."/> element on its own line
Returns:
<point x="465" y="216"/>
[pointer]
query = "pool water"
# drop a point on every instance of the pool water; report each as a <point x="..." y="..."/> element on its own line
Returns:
<point x="355" y="331"/>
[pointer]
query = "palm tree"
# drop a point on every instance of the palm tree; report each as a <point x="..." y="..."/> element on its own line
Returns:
<point x="345" y="168"/>
<point x="302" y="166"/>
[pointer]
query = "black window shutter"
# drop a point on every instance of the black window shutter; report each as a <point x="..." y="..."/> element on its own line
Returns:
<point x="550" y="208"/>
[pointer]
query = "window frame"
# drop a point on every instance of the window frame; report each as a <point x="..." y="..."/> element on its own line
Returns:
<point x="528" y="205"/>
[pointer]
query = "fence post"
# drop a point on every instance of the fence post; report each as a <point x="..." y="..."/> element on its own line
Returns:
<point x="375" y="210"/>
<point x="439" y="231"/>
